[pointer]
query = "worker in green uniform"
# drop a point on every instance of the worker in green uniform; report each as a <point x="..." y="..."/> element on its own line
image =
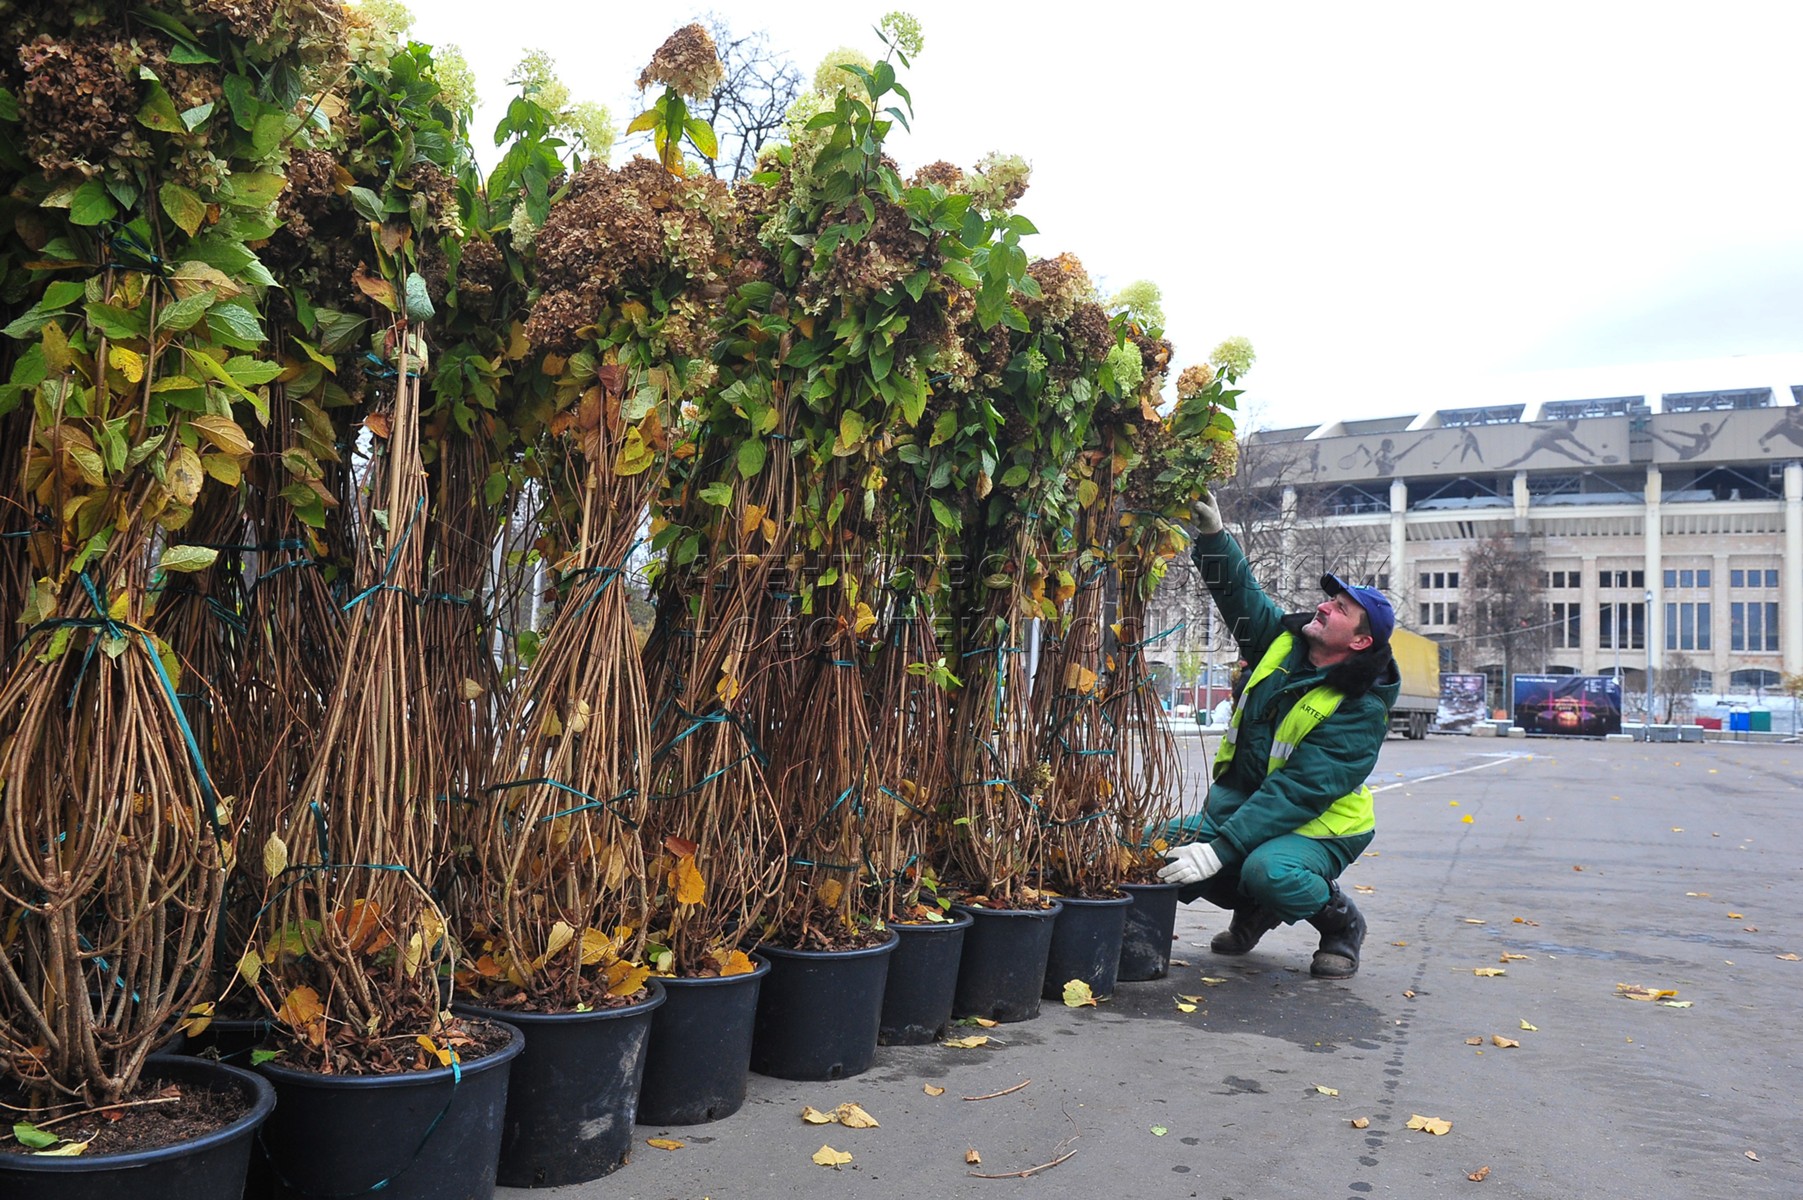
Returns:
<point x="1288" y="809"/>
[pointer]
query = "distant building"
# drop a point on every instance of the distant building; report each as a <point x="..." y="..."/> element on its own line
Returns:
<point x="1664" y="504"/>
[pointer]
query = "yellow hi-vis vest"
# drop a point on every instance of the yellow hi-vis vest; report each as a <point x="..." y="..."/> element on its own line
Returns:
<point x="1351" y="814"/>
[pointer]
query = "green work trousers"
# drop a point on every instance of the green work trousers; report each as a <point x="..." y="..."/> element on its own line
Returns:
<point x="1286" y="876"/>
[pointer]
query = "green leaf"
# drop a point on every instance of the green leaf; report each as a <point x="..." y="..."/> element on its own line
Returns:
<point x="259" y="1057"/>
<point x="187" y="558"/>
<point x="235" y="326"/>
<point x="241" y="96"/>
<point x="252" y="371"/>
<point x="717" y="493"/>
<point x="267" y="133"/>
<point x="962" y="273"/>
<point x="367" y="204"/>
<point x="944" y="428"/>
<point x="91" y="205"/>
<point x="30" y="1135"/>
<point x="184" y="208"/>
<point x="752" y="455"/>
<point x="851" y="429"/>
<point x="115" y="322"/>
<point x="9" y="106"/>
<point x="180" y="316"/>
<point x="947" y="519"/>
<point x="702" y="135"/>
<point x="644" y="121"/>
<point x="1014" y="476"/>
<point x="188" y="55"/>
<point x="194" y="118"/>
<point x="259" y="189"/>
<point x="158" y="112"/>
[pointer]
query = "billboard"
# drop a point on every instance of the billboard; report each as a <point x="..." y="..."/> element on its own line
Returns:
<point x="1570" y="705"/>
<point x="1462" y="700"/>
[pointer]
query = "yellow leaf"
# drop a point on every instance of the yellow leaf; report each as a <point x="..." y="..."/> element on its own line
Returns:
<point x="686" y="879"/>
<point x="596" y="947"/>
<point x="984" y="1022"/>
<point x="184" y="474"/>
<point x="1211" y="981"/>
<point x="1479" y="1175"/>
<point x="250" y="967"/>
<point x="738" y="963"/>
<point x="933" y="1091"/>
<point x="415" y="954"/>
<point x="1468" y="819"/>
<point x="128" y="363"/>
<point x="552" y="725"/>
<point x="1734" y="916"/>
<point x="1787" y="958"/>
<point x="624" y="978"/>
<point x="1503" y="1043"/>
<point x="1507" y="957"/>
<point x="864" y="620"/>
<point x="1488" y="972"/>
<point x="853" y="1116"/>
<point x="814" y="1116"/>
<point x="1185" y="1008"/>
<point x="443" y="1055"/>
<point x="197" y="1020"/>
<point x="275" y="856"/>
<point x="727" y="689"/>
<point x="826" y="1156"/>
<point x="1632" y="991"/>
<point x="1077" y="994"/>
<point x="300" y="1008"/>
<point x="579" y="716"/>
<point x="663" y="1143"/>
<point x="830" y="892"/>
<point x="1674" y="1004"/>
<point x="1530" y="1028"/>
<point x="1433" y="1125"/>
<point x="1360" y="1122"/>
<point x="472" y="690"/>
<point x="966" y="1043"/>
<point x="1474" y="1041"/>
<point x="1327" y="1091"/>
<point x="66" y="1150"/>
<point x="973" y="1158"/>
<point x="750" y="519"/>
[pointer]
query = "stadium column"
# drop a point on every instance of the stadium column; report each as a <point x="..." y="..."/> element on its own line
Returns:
<point x="1792" y="591"/>
<point x="1399" y="531"/>
<point x="1655" y="576"/>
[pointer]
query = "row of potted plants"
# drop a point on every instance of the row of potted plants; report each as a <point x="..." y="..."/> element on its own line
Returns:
<point x="341" y="462"/>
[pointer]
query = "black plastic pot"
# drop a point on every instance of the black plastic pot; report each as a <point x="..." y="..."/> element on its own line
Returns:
<point x="819" y="1012"/>
<point x="1003" y="967"/>
<point x="417" y="1135"/>
<point x="923" y="977"/>
<point x="574" y="1091"/>
<point x="207" y="1168"/>
<point x="1086" y="945"/>
<point x="697" y="1064"/>
<point x="229" y="1040"/>
<point x="1146" y="938"/>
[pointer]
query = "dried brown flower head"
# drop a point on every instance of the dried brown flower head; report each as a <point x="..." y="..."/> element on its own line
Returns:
<point x="687" y="61"/>
<point x="1194" y="380"/>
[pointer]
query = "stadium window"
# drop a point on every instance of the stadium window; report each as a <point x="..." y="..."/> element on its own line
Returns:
<point x="1452" y="612"/>
<point x="1426" y="611"/>
<point x="1753" y="627"/>
<point x="1425" y="577"/>
<point x="1452" y="579"/>
<point x="1737" y="579"/>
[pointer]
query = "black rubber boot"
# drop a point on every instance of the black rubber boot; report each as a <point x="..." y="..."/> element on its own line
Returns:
<point x="1242" y="933"/>
<point x="1342" y="929"/>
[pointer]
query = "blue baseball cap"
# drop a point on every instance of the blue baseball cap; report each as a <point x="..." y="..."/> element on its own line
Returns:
<point x="1376" y="605"/>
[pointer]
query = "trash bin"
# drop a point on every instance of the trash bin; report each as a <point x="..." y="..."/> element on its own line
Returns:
<point x="1738" y="722"/>
<point x="1760" y="720"/>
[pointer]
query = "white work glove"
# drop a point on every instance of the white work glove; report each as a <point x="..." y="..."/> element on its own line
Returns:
<point x="1205" y="517"/>
<point x="1189" y="864"/>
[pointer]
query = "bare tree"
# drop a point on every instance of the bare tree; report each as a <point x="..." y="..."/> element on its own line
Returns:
<point x="1674" y="683"/>
<point x="746" y="110"/>
<point x="1504" y="605"/>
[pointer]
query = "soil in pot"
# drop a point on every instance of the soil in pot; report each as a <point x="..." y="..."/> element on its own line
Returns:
<point x="1086" y="945"/>
<point x="698" y="1062"/>
<point x="186" y="1136"/>
<point x="818" y="1014"/>
<point x="412" y="1135"/>
<point x="1146" y="937"/>
<point x="573" y="1093"/>
<point x="923" y="979"/>
<point x="1003" y="966"/>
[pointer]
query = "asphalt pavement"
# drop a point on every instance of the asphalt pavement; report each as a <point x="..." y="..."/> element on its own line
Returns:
<point x="1513" y="891"/>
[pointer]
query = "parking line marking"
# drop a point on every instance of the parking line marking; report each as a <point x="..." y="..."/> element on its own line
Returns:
<point x="1445" y="774"/>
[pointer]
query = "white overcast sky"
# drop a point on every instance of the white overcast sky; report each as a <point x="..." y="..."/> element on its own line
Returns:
<point x="1394" y="201"/>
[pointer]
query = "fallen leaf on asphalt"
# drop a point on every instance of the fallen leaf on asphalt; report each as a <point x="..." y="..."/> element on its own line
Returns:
<point x="1677" y="829"/>
<point x="663" y="1143"/>
<point x="814" y="1116"/>
<point x="1359" y="887"/>
<point x="1398" y="943"/>
<point x="1700" y="895"/>
<point x="1185" y="1008"/>
<point x="1749" y="929"/>
<point x="1474" y="1041"/>
<point x="1433" y="1125"/>
<point x="1409" y="995"/>
<point x="1452" y="804"/>
<point x="1327" y="1091"/>
<point x="1479" y="1175"/>
<point x="1507" y="957"/>
<point x="1159" y="1131"/>
<point x="1211" y="981"/>
<point x="979" y="1022"/>
<point x="853" y="1116"/>
<point x="1735" y="917"/>
<point x="1503" y="1043"/>
<point x="1360" y="1122"/>
<point x="973" y="1158"/>
<point x="1370" y="854"/>
<point x="1525" y="921"/>
<point x="930" y="1090"/>
<point x="1787" y="958"/>
<point x="1189" y="999"/>
<point x="966" y="1043"/>
<point x="1675" y="1003"/>
<point x="1475" y="921"/>
<point x="1575" y="867"/>
<point x="1077" y="994"/>
<point x="1530" y="1028"/>
<point x="1468" y="819"/>
<point x="1633" y="991"/>
<point x="1488" y="972"/>
<point x="1180" y="962"/>
<point x="1751" y="1155"/>
<point x="826" y="1156"/>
